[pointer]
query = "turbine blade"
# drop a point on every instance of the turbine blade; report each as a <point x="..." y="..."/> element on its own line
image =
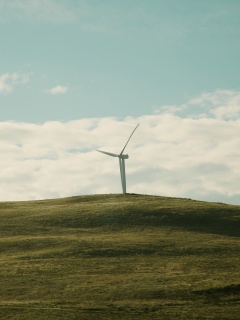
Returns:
<point x="129" y="139"/>
<point x="108" y="153"/>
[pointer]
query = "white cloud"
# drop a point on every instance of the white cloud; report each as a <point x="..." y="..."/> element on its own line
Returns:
<point x="9" y="80"/>
<point x="58" y="90"/>
<point x="170" y="155"/>
<point x="220" y="104"/>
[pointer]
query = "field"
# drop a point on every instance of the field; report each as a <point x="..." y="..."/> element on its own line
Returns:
<point x="119" y="257"/>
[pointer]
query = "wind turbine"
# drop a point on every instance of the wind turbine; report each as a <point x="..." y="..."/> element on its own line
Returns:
<point x="121" y="158"/>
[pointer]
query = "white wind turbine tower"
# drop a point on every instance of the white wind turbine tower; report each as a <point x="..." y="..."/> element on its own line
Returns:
<point x="121" y="158"/>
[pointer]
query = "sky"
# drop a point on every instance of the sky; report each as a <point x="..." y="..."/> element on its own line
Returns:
<point x="76" y="76"/>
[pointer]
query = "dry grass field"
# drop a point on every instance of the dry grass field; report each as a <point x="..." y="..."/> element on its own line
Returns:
<point x="119" y="257"/>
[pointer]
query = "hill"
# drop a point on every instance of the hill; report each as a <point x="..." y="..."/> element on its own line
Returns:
<point x="119" y="257"/>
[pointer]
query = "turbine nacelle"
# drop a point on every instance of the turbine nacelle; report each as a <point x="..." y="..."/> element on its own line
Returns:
<point x="123" y="156"/>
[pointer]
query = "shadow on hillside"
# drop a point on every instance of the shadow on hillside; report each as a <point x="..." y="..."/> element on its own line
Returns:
<point x="229" y="290"/>
<point x="223" y="221"/>
<point x="216" y="221"/>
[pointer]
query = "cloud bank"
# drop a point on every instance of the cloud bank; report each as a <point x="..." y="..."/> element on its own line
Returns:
<point x="171" y="153"/>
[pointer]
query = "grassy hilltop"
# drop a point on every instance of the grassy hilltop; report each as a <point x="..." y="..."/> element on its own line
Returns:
<point x="119" y="257"/>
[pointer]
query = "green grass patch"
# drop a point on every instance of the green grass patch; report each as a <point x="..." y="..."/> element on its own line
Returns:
<point x="119" y="257"/>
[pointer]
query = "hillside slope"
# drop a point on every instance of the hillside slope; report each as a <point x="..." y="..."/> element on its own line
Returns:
<point x="119" y="257"/>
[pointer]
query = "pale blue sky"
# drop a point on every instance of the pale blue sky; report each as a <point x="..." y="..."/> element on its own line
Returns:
<point x="116" y="58"/>
<point x="77" y="75"/>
